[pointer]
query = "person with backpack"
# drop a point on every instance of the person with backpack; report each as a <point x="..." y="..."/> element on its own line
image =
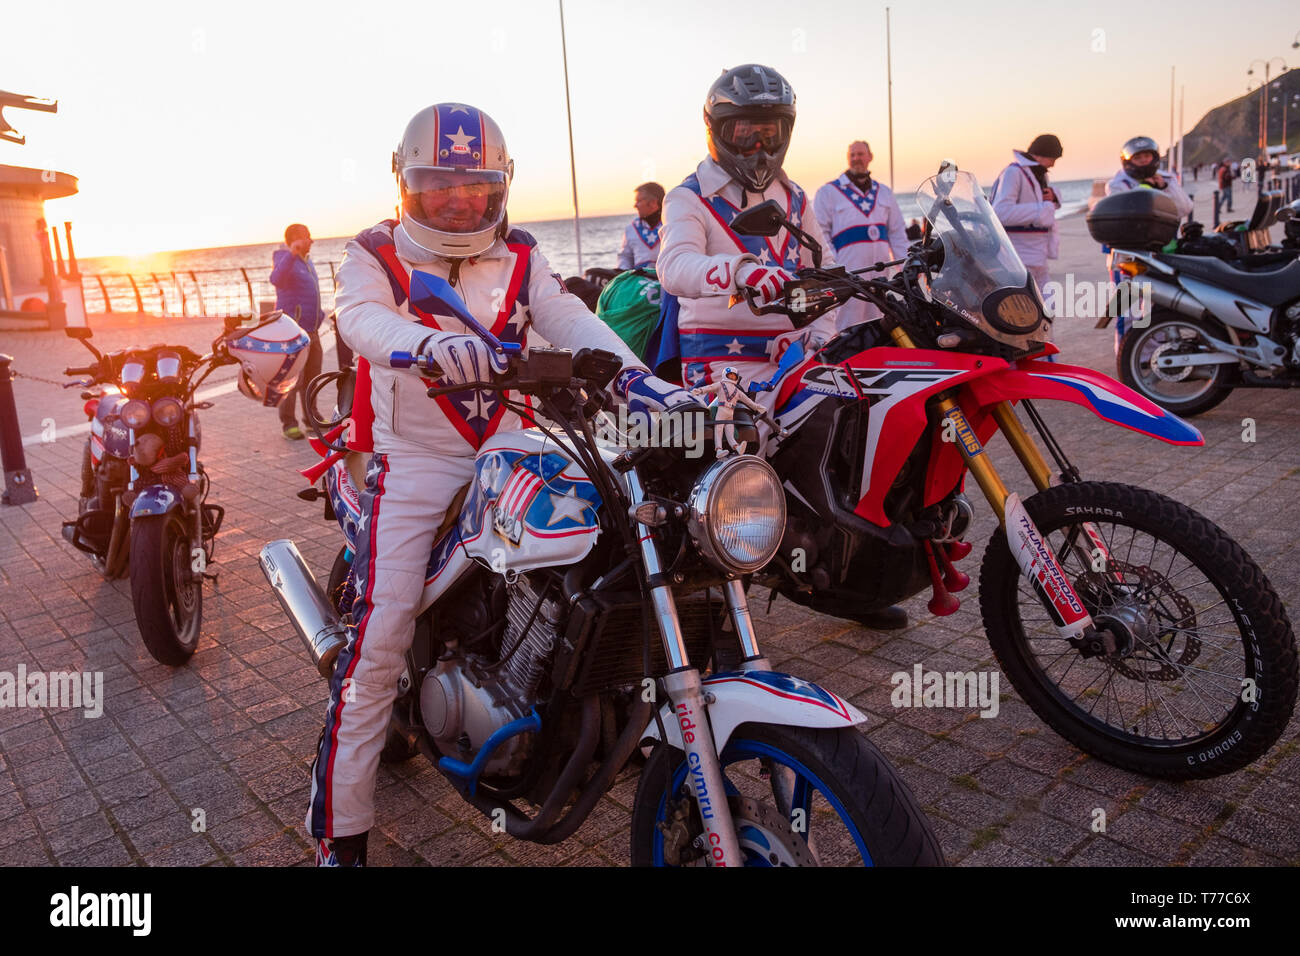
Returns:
<point x="1026" y="205"/>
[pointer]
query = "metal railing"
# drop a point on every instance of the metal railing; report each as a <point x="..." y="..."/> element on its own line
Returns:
<point x="196" y="292"/>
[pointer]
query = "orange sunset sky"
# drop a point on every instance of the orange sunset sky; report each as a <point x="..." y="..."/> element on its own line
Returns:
<point x="193" y="125"/>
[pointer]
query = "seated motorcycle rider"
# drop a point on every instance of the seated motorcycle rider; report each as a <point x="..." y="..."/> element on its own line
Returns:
<point x="1140" y="169"/>
<point x="749" y="114"/>
<point x="453" y="172"/>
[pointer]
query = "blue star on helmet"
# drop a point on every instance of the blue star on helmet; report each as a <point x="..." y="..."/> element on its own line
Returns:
<point x="734" y="347"/>
<point x="458" y="108"/>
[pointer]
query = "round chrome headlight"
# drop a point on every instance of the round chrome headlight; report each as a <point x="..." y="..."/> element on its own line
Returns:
<point x="737" y="513"/>
<point x="135" y="413"/>
<point x="167" y="411"/>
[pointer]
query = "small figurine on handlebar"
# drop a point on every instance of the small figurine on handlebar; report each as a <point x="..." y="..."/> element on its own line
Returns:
<point x="727" y="392"/>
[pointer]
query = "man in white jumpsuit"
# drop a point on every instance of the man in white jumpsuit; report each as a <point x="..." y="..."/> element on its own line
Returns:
<point x="454" y="174"/>
<point x="1140" y="169"/>
<point x="1026" y="206"/>
<point x="864" y="224"/>
<point x="749" y="114"/>
<point x="641" y="236"/>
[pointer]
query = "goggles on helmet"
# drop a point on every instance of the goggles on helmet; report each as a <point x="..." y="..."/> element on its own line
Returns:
<point x="744" y="133"/>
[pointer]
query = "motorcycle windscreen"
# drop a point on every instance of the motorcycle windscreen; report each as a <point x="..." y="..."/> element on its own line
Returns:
<point x="982" y="278"/>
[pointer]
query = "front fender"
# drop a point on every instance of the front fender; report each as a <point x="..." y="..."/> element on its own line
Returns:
<point x="765" y="697"/>
<point x="154" y="500"/>
<point x="1105" y="397"/>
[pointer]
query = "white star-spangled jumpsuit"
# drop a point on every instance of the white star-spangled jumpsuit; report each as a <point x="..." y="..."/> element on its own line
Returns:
<point x="698" y="264"/>
<point x="423" y="453"/>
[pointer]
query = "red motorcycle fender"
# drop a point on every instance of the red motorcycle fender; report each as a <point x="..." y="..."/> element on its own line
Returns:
<point x="1107" y="398"/>
<point x="766" y="697"/>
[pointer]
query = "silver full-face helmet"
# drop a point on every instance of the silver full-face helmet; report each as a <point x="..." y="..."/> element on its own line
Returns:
<point x="454" y="172"/>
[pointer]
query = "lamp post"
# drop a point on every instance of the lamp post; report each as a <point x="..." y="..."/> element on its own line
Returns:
<point x="1263" y="100"/>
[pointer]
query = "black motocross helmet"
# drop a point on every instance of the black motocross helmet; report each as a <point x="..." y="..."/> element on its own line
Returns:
<point x="740" y="98"/>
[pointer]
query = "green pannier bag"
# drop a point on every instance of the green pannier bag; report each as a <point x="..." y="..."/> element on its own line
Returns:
<point x="629" y="304"/>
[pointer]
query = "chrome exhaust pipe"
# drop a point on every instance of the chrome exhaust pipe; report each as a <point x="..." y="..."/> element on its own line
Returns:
<point x="312" y="615"/>
<point x="1175" y="299"/>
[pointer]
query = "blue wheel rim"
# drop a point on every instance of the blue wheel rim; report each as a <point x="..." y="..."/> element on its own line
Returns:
<point x="806" y="783"/>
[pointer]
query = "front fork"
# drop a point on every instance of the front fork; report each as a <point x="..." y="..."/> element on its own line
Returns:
<point x="690" y="703"/>
<point x="1036" y="560"/>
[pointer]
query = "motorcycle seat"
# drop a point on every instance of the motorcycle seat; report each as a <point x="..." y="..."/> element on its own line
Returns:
<point x="1271" y="287"/>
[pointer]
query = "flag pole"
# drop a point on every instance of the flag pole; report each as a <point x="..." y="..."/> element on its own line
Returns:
<point x="889" y="76"/>
<point x="573" y="169"/>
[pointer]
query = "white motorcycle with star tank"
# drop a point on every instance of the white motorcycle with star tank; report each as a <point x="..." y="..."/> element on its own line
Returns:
<point x="570" y="616"/>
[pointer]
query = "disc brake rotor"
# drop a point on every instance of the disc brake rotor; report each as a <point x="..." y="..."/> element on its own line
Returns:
<point x="1178" y="373"/>
<point x="1143" y="612"/>
<point x="766" y="837"/>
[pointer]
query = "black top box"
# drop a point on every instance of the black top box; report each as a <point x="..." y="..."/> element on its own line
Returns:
<point x="1142" y="218"/>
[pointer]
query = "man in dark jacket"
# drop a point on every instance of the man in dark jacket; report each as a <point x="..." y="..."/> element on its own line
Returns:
<point x="1225" y="184"/>
<point x="297" y="294"/>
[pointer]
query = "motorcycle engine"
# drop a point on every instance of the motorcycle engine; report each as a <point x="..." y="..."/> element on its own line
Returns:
<point x="465" y="699"/>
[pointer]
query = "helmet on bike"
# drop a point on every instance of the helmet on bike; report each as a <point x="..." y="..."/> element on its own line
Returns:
<point x="1140" y="144"/>
<point x="271" y="357"/>
<point x="747" y="107"/>
<point x="454" y="172"/>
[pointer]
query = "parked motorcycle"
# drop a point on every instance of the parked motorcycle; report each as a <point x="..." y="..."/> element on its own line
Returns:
<point x="533" y="676"/>
<point x="1131" y="624"/>
<point x="1198" y="323"/>
<point x="143" y="509"/>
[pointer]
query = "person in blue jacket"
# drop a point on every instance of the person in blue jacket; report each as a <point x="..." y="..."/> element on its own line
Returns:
<point x="297" y="294"/>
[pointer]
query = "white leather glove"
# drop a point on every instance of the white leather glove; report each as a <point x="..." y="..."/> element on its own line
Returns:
<point x="462" y="358"/>
<point x="768" y="281"/>
<point x="646" y="393"/>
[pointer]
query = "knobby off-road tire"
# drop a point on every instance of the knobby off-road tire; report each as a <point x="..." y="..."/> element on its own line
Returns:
<point x="1214" y="635"/>
<point x="396" y="748"/>
<point x="168" y="601"/>
<point x="860" y="813"/>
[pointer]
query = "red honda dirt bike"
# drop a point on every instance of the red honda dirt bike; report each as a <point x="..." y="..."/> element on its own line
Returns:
<point x="1132" y="625"/>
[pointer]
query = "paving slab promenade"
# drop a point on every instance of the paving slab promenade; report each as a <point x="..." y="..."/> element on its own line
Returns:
<point x="228" y="737"/>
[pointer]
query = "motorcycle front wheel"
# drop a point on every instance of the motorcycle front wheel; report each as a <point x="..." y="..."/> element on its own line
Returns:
<point x="1189" y="390"/>
<point x="168" y="601"/>
<point x="799" y="797"/>
<point x="1202" y="680"/>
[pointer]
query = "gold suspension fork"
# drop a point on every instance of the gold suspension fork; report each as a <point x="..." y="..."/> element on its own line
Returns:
<point x="972" y="452"/>
<point x="1036" y="560"/>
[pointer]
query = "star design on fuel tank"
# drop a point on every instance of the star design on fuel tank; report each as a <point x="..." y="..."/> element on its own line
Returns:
<point x="567" y="506"/>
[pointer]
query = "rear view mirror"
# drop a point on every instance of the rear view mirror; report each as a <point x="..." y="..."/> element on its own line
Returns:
<point x="765" y="219"/>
